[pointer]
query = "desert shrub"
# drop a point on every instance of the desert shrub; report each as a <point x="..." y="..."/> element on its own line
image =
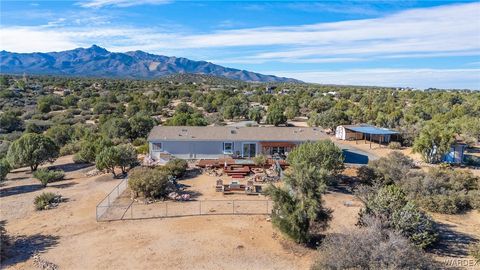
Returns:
<point x="89" y="150"/>
<point x="475" y="251"/>
<point x="70" y="149"/>
<point x="395" y="145"/>
<point x="366" y="175"/>
<point x="4" y="169"/>
<point x="56" y="108"/>
<point x="443" y="190"/>
<point x="445" y="204"/>
<point x="60" y="134"/>
<point x="474" y="199"/>
<point x="370" y="247"/>
<point x="45" y="200"/>
<point x="390" y="206"/>
<point x="392" y="168"/>
<point x="260" y="160"/>
<point x="139" y="142"/>
<point x="46" y="176"/>
<point x="143" y="149"/>
<point x="4" y="148"/>
<point x="36" y="127"/>
<point x="176" y="167"/>
<point x="150" y="183"/>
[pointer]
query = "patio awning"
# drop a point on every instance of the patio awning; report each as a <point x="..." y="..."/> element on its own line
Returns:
<point x="277" y="144"/>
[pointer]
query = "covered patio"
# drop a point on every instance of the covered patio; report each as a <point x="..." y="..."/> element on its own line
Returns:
<point x="276" y="150"/>
<point x="372" y="134"/>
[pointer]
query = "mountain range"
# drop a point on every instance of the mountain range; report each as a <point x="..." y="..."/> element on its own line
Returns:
<point x="99" y="62"/>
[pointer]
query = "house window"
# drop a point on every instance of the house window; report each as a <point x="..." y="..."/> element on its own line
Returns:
<point x="157" y="147"/>
<point x="228" y="147"/>
<point x="280" y="150"/>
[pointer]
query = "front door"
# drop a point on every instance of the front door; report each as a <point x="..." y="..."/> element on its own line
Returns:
<point x="249" y="150"/>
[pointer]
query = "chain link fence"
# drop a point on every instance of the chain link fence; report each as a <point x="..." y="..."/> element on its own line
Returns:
<point x="107" y="202"/>
<point x="114" y="208"/>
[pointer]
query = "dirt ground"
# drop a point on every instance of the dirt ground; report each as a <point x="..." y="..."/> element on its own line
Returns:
<point x="70" y="237"/>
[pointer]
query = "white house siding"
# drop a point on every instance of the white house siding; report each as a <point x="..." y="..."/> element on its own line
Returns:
<point x="344" y="134"/>
<point x="340" y="133"/>
<point x="196" y="149"/>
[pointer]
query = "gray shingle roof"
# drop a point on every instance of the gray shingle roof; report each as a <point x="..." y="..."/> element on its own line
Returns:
<point x="225" y="133"/>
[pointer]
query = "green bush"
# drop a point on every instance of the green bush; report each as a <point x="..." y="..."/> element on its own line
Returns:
<point x="150" y="183"/>
<point x="392" y="168"/>
<point x="474" y="199"/>
<point x="260" y="160"/>
<point x="143" y="149"/>
<point x="371" y="247"/>
<point x="394" y="145"/>
<point x="446" y="204"/>
<point x="139" y="142"/>
<point x="390" y="206"/>
<point x="46" y="176"/>
<point x="45" y="200"/>
<point x="69" y="149"/>
<point x="4" y="169"/>
<point x="175" y="167"/>
<point x="443" y="190"/>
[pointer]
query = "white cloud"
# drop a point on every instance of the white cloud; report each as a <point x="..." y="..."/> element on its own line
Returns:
<point x="450" y="30"/>
<point x="439" y="30"/>
<point x="20" y="39"/>
<point x="419" y="78"/>
<point x="120" y="3"/>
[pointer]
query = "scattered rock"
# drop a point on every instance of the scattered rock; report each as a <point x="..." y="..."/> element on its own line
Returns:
<point x="43" y="264"/>
<point x="240" y="247"/>
<point x="93" y="172"/>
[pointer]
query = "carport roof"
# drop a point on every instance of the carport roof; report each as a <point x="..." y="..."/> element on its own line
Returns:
<point x="372" y="130"/>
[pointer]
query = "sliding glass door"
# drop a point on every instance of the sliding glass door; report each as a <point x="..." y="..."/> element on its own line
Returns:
<point x="249" y="150"/>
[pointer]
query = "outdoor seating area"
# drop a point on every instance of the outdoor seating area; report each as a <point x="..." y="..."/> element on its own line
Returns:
<point x="250" y="188"/>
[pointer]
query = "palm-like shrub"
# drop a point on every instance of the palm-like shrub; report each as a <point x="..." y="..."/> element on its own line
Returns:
<point x="45" y="200"/>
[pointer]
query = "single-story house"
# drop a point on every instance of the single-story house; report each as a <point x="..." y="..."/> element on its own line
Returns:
<point x="364" y="132"/>
<point x="221" y="141"/>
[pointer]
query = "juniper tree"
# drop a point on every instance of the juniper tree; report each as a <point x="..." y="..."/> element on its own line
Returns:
<point x="298" y="206"/>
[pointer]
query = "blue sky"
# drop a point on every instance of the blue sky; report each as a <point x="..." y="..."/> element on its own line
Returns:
<point x="388" y="43"/>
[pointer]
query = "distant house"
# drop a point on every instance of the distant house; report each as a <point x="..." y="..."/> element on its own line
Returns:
<point x="364" y="132"/>
<point x="219" y="142"/>
<point x="270" y="89"/>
